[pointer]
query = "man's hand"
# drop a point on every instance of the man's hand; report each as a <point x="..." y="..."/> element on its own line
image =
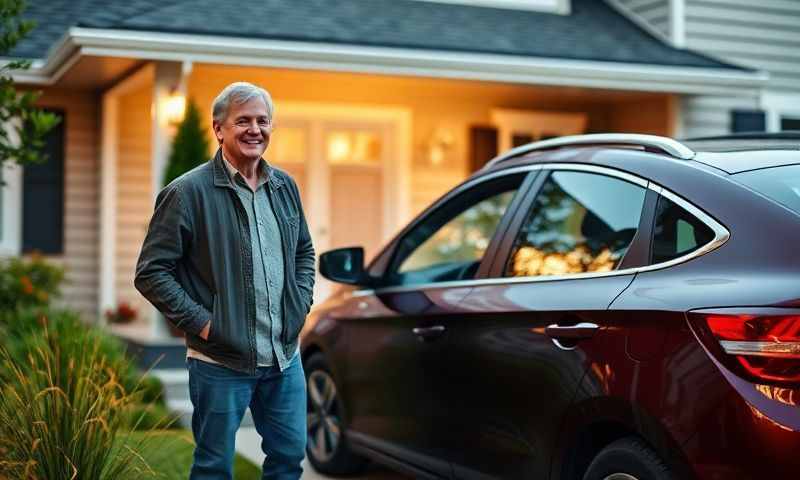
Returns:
<point x="204" y="332"/>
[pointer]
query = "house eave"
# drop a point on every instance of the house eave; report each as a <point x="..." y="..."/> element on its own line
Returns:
<point x="145" y="45"/>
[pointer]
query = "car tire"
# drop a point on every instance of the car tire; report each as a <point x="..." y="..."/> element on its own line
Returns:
<point x="327" y="449"/>
<point x="628" y="458"/>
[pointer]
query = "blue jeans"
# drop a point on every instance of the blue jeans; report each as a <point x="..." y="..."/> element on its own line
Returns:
<point x="277" y="401"/>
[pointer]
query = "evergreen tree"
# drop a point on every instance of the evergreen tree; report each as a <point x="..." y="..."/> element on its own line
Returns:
<point x="190" y="146"/>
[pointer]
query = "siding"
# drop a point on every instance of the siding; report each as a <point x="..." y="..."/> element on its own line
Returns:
<point x="707" y="116"/>
<point x="763" y="35"/>
<point x="81" y="216"/>
<point x="134" y="192"/>
<point x="653" y="12"/>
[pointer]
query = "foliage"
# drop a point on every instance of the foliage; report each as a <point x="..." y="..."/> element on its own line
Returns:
<point x="23" y="142"/>
<point x="60" y="416"/>
<point x="190" y="146"/>
<point x="124" y="313"/>
<point x="28" y="283"/>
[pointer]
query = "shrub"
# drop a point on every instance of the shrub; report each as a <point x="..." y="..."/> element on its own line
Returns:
<point x="28" y="283"/>
<point x="60" y="415"/>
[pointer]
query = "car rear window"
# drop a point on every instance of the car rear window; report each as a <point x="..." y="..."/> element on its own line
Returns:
<point x="781" y="184"/>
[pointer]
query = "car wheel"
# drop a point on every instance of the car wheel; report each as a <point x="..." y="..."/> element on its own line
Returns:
<point x="327" y="448"/>
<point x="628" y="459"/>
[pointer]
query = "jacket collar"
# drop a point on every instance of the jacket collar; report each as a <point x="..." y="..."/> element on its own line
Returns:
<point x="222" y="179"/>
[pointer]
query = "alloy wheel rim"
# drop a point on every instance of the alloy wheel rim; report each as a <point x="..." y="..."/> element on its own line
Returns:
<point x="323" y="421"/>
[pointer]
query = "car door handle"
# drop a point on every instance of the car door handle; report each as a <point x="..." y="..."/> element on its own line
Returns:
<point x="427" y="333"/>
<point x="581" y="331"/>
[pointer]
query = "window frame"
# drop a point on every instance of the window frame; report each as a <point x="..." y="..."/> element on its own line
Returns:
<point x="637" y="259"/>
<point x="387" y="259"/>
<point x="11" y="215"/>
<point x="504" y="256"/>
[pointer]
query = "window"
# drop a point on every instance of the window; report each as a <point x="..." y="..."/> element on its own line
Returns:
<point x="43" y="198"/>
<point x="677" y="232"/>
<point x="781" y="184"/>
<point x="790" y="123"/>
<point x="579" y="222"/>
<point x="450" y="243"/>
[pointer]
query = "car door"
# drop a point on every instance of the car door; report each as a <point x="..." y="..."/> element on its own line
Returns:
<point x="524" y="339"/>
<point x="397" y="369"/>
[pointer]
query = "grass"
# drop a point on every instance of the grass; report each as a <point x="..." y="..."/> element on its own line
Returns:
<point x="169" y="455"/>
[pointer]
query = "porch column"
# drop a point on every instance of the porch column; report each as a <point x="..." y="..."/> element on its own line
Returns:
<point x="109" y="148"/>
<point x="170" y="81"/>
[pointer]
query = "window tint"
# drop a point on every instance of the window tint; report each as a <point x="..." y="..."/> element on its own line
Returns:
<point x="450" y="243"/>
<point x="579" y="222"/>
<point x="677" y="232"/>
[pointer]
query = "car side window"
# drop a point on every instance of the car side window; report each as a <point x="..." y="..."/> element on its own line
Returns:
<point x="579" y="222"/>
<point x="676" y="232"/>
<point x="450" y="243"/>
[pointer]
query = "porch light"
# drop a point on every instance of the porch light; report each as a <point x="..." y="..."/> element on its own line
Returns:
<point x="174" y="107"/>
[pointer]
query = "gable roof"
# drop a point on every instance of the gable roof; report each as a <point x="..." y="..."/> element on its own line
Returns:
<point x="592" y="31"/>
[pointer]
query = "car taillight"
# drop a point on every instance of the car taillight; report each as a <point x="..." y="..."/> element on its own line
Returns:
<point x="762" y="344"/>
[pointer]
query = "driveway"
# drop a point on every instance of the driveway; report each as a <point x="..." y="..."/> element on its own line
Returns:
<point x="248" y="444"/>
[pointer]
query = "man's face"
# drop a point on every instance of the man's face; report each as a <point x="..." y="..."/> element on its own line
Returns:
<point x="244" y="134"/>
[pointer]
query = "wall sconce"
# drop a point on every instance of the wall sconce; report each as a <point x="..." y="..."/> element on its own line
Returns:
<point x="174" y="107"/>
<point x="440" y="144"/>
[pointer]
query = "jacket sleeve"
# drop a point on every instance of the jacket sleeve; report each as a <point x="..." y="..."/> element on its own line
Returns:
<point x="165" y="244"/>
<point x="304" y="255"/>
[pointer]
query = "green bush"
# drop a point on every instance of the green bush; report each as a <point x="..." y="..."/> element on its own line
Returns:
<point x="60" y="415"/>
<point x="28" y="283"/>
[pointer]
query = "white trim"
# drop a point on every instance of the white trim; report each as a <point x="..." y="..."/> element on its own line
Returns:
<point x="11" y="210"/>
<point x="404" y="61"/>
<point x="397" y="171"/>
<point x="560" y="7"/>
<point x="638" y="20"/>
<point x="109" y="183"/>
<point x="777" y="106"/>
<point x="677" y="23"/>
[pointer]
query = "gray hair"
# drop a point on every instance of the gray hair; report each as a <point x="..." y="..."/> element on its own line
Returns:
<point x="239" y="93"/>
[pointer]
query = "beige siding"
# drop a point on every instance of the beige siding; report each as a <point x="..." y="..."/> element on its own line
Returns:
<point x="134" y="191"/>
<point x="764" y="35"/>
<point x="81" y="177"/>
<point x="653" y="12"/>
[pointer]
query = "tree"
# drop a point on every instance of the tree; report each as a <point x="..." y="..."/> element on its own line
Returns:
<point x="190" y="147"/>
<point x="26" y="126"/>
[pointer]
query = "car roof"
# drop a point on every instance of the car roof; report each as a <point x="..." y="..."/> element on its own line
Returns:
<point x="731" y="154"/>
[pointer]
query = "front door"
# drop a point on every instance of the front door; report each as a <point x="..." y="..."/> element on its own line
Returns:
<point x="341" y="166"/>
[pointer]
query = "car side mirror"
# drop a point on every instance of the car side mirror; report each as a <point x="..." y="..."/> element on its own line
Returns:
<point x="344" y="265"/>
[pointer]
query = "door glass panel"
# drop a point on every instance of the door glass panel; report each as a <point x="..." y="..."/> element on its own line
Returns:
<point x="450" y="243"/>
<point x="353" y="147"/>
<point x="579" y="222"/>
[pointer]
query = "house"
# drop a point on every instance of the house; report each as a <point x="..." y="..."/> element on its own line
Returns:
<point x="382" y="105"/>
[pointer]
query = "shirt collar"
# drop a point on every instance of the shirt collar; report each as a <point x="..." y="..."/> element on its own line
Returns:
<point x="263" y="171"/>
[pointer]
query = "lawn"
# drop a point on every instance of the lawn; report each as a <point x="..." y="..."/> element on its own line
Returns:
<point x="169" y="455"/>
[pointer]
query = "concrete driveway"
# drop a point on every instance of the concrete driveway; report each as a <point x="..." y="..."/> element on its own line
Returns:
<point x="248" y="444"/>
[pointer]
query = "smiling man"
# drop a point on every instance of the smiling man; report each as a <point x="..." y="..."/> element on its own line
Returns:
<point x="228" y="260"/>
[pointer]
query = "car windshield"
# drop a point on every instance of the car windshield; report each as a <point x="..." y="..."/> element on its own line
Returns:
<point x="781" y="184"/>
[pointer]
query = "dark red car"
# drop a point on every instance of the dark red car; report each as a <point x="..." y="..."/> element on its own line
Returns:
<point x="609" y="307"/>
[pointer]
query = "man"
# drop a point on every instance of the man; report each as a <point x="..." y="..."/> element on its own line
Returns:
<point x="228" y="260"/>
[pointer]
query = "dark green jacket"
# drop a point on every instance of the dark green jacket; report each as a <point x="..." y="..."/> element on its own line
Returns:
<point x="196" y="263"/>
